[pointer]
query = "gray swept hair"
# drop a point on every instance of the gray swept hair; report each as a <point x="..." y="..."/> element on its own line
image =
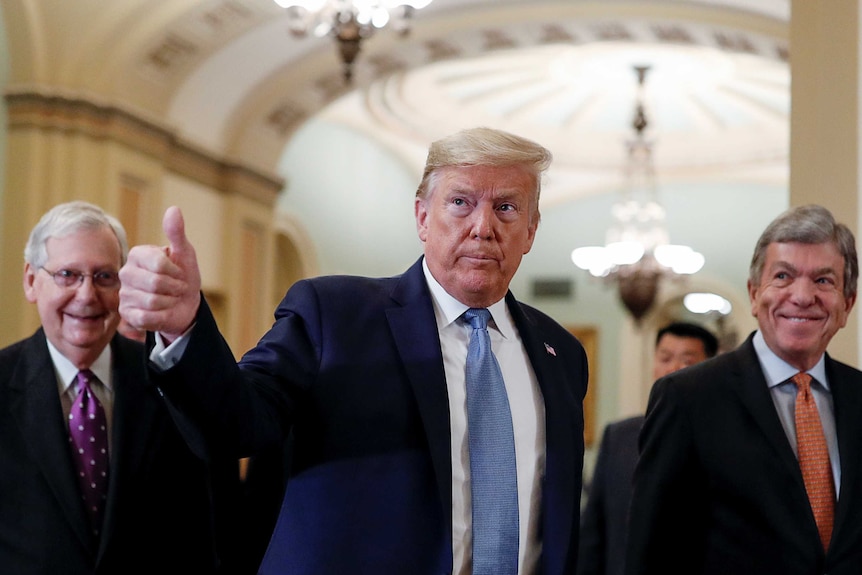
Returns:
<point x="809" y="224"/>
<point x="68" y="218"/>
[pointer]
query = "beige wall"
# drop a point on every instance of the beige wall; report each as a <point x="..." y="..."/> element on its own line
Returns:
<point x="825" y="126"/>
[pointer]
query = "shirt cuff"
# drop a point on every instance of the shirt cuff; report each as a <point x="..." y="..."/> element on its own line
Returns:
<point x="165" y="357"/>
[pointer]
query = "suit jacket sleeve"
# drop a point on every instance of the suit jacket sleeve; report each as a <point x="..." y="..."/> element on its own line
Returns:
<point x="206" y="387"/>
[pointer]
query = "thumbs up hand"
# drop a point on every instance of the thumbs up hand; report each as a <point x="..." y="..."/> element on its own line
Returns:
<point x="160" y="286"/>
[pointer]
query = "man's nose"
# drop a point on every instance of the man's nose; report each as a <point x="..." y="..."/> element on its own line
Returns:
<point x="86" y="288"/>
<point x="803" y="291"/>
<point x="483" y="222"/>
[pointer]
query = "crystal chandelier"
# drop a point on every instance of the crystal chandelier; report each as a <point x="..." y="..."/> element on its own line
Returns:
<point x="637" y="252"/>
<point x="349" y="21"/>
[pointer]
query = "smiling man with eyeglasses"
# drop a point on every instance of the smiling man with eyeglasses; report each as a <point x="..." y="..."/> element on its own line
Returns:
<point x="79" y="317"/>
<point x="95" y="477"/>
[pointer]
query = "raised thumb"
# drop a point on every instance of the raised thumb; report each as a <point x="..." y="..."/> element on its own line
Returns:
<point x="175" y="231"/>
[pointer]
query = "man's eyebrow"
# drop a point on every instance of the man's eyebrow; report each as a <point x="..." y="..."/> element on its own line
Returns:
<point x="781" y="264"/>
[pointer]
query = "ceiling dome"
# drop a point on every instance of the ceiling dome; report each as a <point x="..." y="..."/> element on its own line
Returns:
<point x="708" y="109"/>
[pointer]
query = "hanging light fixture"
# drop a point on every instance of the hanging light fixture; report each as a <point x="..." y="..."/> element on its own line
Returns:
<point x="349" y="21"/>
<point x="637" y="252"/>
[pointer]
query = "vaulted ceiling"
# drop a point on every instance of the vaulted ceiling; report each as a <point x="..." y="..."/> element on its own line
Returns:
<point x="227" y="75"/>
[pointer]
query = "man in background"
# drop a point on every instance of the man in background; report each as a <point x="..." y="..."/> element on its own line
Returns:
<point x="94" y="476"/>
<point x="604" y="522"/>
<point x="750" y="463"/>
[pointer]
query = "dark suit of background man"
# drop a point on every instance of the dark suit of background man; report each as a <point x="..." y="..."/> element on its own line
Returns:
<point x="369" y="374"/>
<point x="604" y="522"/>
<point x="157" y="513"/>
<point x="719" y="487"/>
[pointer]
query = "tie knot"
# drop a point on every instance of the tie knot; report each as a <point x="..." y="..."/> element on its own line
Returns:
<point x="478" y="317"/>
<point x="802" y="381"/>
<point x="85" y="378"/>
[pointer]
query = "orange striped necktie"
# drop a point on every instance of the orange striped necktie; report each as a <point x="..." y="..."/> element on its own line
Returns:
<point x="814" y="458"/>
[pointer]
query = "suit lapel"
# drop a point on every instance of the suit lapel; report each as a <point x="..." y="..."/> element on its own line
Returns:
<point x="749" y="384"/>
<point x="133" y="425"/>
<point x="562" y="429"/>
<point x="37" y="410"/>
<point x="414" y="329"/>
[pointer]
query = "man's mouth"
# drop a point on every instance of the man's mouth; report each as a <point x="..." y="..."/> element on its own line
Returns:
<point x="480" y="257"/>
<point x="83" y="318"/>
<point x="799" y="319"/>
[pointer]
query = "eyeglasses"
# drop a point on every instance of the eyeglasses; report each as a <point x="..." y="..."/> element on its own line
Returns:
<point x="71" y="278"/>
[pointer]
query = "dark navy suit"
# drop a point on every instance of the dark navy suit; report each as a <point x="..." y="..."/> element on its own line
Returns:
<point x="353" y="365"/>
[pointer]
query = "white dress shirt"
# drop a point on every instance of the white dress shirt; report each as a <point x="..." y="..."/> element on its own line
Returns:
<point x="67" y="378"/>
<point x="528" y="420"/>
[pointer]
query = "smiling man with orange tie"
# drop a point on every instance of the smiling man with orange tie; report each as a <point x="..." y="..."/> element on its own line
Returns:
<point x="750" y="462"/>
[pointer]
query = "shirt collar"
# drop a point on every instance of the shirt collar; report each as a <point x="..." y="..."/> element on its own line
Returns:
<point x="451" y="309"/>
<point x="777" y="371"/>
<point x="66" y="370"/>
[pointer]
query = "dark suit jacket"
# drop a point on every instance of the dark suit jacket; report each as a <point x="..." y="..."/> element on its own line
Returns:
<point x="604" y="522"/>
<point x="354" y="366"/>
<point x="718" y="488"/>
<point x="158" y="515"/>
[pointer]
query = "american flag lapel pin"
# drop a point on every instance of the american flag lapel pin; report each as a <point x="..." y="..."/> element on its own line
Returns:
<point x="550" y="350"/>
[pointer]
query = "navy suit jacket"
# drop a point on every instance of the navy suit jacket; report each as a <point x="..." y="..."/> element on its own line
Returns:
<point x="158" y="517"/>
<point x="353" y="367"/>
<point x="718" y="488"/>
<point x="604" y="522"/>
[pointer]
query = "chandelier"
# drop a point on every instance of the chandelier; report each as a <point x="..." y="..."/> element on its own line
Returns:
<point x="637" y="253"/>
<point x="349" y="21"/>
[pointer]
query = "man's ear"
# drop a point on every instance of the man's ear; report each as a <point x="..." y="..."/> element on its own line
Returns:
<point x="752" y="297"/>
<point x="421" y="212"/>
<point x="30" y="282"/>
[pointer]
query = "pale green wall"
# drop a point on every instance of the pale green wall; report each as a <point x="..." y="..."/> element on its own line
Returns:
<point x="353" y="233"/>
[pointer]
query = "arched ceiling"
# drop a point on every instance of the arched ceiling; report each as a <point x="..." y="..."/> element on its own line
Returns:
<point x="558" y="72"/>
<point x="227" y="76"/>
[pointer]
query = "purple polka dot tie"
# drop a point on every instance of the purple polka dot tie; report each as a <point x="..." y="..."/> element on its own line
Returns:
<point x="88" y="431"/>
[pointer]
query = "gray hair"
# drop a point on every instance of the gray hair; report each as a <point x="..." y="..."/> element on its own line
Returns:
<point x="811" y="224"/>
<point x="485" y="147"/>
<point x="65" y="219"/>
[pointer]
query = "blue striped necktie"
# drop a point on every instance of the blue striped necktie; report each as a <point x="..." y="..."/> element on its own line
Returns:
<point x="493" y="473"/>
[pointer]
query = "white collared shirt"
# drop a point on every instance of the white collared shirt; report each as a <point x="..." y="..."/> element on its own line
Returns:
<point x="67" y="375"/>
<point x="528" y="419"/>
